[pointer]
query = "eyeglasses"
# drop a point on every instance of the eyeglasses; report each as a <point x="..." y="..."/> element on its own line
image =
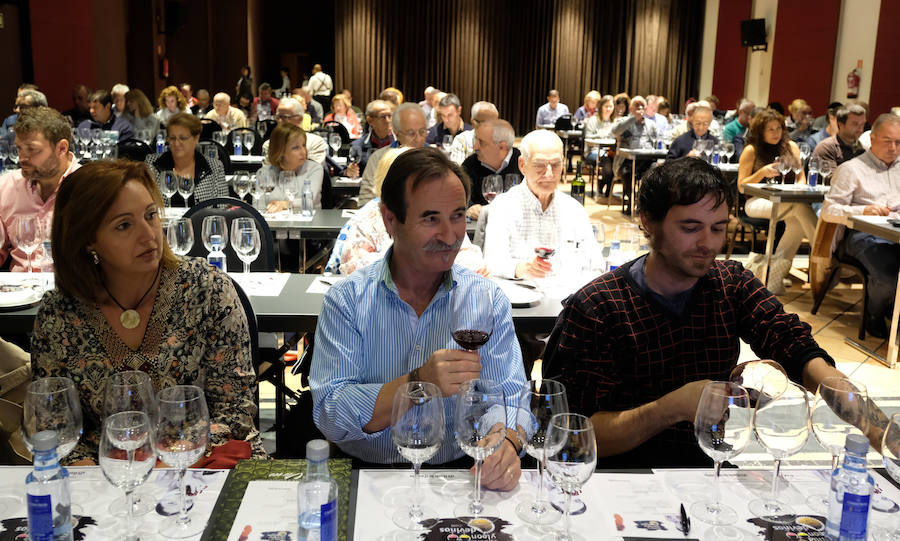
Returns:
<point x="542" y="166"/>
<point x="412" y="133"/>
<point x="383" y="116"/>
<point x="285" y="117"/>
<point x="180" y="139"/>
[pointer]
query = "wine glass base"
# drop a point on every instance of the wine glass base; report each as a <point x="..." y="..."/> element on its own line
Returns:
<point x="726" y="533"/>
<point x="818" y="504"/>
<point x="712" y="513"/>
<point x="476" y="519"/>
<point x="140" y="506"/>
<point x="540" y="513"/>
<point x="175" y="530"/>
<point x="561" y="535"/>
<point x="8" y="504"/>
<point x="404" y="518"/>
<point x="577" y="507"/>
<point x="772" y="511"/>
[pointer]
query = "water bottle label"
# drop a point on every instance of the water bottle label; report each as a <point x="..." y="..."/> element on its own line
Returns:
<point x="854" y="515"/>
<point x="813" y="178"/>
<point x="329" y="521"/>
<point x="237" y="149"/>
<point x="715" y="158"/>
<point x="40" y="518"/>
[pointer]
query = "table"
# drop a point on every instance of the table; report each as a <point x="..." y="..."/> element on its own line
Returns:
<point x="777" y="194"/>
<point x="246" y="162"/>
<point x="636" y="155"/>
<point x="345" y="186"/>
<point x="879" y="226"/>
<point x="599" y="143"/>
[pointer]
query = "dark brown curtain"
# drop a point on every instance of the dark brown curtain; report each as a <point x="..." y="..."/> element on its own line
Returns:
<point x="512" y="52"/>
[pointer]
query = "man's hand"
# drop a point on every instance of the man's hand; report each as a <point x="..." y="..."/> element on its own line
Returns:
<point x="473" y="212"/>
<point x="450" y="368"/>
<point x="685" y="399"/>
<point x="352" y="170"/>
<point x="535" y="268"/>
<point x="276" y="206"/>
<point x="876" y="210"/>
<point x="501" y="470"/>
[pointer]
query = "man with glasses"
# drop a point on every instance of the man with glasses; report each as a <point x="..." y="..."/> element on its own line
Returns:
<point x="410" y="129"/>
<point x="869" y="184"/>
<point x="683" y="145"/>
<point x="381" y="134"/>
<point x="291" y="111"/>
<point x="26" y="97"/>
<point x="633" y="132"/>
<point x="535" y="214"/>
<point x="42" y="138"/>
<point x="102" y="116"/>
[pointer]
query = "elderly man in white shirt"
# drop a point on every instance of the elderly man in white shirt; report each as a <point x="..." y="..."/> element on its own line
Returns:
<point x="464" y="143"/>
<point x="535" y="214"/>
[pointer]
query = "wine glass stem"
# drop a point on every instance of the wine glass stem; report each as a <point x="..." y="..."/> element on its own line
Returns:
<point x="775" y="473"/>
<point x="183" y="519"/>
<point x="716" y="493"/>
<point x="29" y="263"/>
<point x="568" y="515"/>
<point x="476" y="503"/>
<point x="415" y="510"/>
<point x="834" y="462"/>
<point x="540" y="492"/>
<point x="246" y="268"/>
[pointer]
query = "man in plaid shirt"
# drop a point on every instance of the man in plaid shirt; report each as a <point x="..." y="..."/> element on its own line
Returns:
<point x="635" y="346"/>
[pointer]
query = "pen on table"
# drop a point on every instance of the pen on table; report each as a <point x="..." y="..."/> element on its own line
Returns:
<point x="685" y="521"/>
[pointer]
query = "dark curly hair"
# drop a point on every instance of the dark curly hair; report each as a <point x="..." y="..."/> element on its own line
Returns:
<point x="681" y="182"/>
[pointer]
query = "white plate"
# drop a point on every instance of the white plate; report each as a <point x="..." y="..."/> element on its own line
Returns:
<point x="519" y="295"/>
<point x="20" y="296"/>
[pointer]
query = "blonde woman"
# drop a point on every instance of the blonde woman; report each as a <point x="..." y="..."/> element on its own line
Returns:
<point x="171" y="102"/>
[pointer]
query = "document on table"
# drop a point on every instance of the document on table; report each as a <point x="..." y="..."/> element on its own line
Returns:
<point x="268" y="511"/>
<point x="261" y="284"/>
<point x="323" y="283"/>
<point x="634" y="505"/>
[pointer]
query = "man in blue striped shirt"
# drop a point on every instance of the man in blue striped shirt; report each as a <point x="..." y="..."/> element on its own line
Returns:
<point x="391" y="323"/>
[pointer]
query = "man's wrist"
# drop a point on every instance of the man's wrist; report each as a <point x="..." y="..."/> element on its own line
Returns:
<point x="414" y="375"/>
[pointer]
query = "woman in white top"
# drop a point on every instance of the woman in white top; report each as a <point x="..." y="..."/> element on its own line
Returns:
<point x="171" y="102"/>
<point x="287" y="153"/>
<point x="139" y="112"/>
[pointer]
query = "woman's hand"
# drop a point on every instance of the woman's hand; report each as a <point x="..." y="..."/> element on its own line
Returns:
<point x="770" y="171"/>
<point x="276" y="206"/>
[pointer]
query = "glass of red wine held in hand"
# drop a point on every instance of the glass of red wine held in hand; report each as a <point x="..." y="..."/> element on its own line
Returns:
<point x="473" y="317"/>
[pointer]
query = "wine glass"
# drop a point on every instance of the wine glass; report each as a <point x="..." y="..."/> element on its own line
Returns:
<point x="168" y="182"/>
<point x="804" y="151"/>
<point x="446" y="143"/>
<point x="334" y="141"/>
<point x="290" y="186"/>
<point x="539" y="401"/>
<point x="838" y="410"/>
<point x="728" y="150"/>
<point x="241" y="184"/>
<point x="417" y="429"/>
<point x="126" y="458"/>
<point x="266" y="178"/>
<point x="180" y="235"/>
<point x="783" y="164"/>
<point x="355" y="155"/>
<point x="479" y="425"/>
<point x="491" y="185"/>
<point x="182" y="433"/>
<point x="797" y="167"/>
<point x="52" y="404"/>
<point x="218" y="137"/>
<point x="510" y="180"/>
<point x="473" y="318"/>
<point x="245" y="241"/>
<point x="213" y="225"/>
<point x="723" y="427"/>
<point x="249" y="140"/>
<point x="571" y="451"/>
<point x="185" y="188"/>
<point x="890" y="453"/>
<point x="256" y="191"/>
<point x="825" y="169"/>
<point x="27" y="235"/>
<point x="782" y="427"/>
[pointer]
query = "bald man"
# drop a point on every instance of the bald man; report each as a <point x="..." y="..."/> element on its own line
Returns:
<point x="227" y="116"/>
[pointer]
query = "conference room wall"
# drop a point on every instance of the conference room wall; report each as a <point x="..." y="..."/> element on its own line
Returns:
<point x="886" y="67"/>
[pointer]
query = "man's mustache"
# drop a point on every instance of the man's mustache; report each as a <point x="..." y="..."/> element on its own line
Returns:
<point x="440" y="246"/>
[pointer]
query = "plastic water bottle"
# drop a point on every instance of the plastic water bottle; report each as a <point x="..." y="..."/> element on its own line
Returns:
<point x="851" y="490"/>
<point x="317" y="506"/>
<point x="47" y="493"/>
<point x="237" y="144"/>
<point x="615" y="256"/>
<point x="160" y="143"/>
<point x="306" y="200"/>
<point x="813" y="176"/>
<point x="716" y="155"/>
<point x="216" y="256"/>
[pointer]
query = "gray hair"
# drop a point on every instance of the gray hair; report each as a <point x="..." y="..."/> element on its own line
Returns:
<point x="293" y="104"/>
<point x="545" y="139"/>
<point x="370" y="107"/>
<point x="450" y="99"/>
<point x="502" y="131"/>
<point x="480" y="106"/>
<point x="37" y="98"/>
<point x="853" y="109"/>
<point x="885" y="118"/>
<point x="745" y="103"/>
<point x="119" y="89"/>
<point x="400" y="111"/>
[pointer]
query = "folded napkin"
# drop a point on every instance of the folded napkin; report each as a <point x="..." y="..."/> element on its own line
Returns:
<point x="225" y="457"/>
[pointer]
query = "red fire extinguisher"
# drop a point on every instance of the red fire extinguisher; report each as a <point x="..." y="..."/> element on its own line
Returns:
<point x="853" y="79"/>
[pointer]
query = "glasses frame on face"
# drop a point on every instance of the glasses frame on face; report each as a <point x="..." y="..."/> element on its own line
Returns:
<point x="409" y="134"/>
<point x="383" y="116"/>
<point x="172" y="139"/>
<point x="285" y="117"/>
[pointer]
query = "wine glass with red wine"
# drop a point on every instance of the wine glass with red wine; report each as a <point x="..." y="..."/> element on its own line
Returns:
<point x="473" y="317"/>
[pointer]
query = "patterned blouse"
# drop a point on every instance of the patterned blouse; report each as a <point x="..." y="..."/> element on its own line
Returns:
<point x="197" y="335"/>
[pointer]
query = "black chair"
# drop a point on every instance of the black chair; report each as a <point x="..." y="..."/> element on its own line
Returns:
<point x="208" y="127"/>
<point x="264" y="129"/>
<point x="563" y="123"/>
<point x="755" y="225"/>
<point x="255" y="150"/>
<point x="204" y="148"/>
<point x="231" y="209"/>
<point x="134" y="149"/>
<point x="337" y="127"/>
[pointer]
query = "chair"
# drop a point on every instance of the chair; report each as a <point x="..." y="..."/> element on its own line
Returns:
<point x="254" y="334"/>
<point x="221" y="153"/>
<point x="563" y="123"/>
<point x="481" y="227"/>
<point x="208" y="127"/>
<point x="754" y="224"/>
<point x="134" y="149"/>
<point x="255" y="150"/>
<point x="824" y="268"/>
<point x="337" y="127"/>
<point x="233" y="208"/>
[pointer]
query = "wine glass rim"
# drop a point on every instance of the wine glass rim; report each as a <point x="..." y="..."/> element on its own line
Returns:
<point x="560" y="388"/>
<point x="61" y="384"/>
<point x="828" y="383"/>
<point x="196" y="393"/>
<point x="581" y="419"/>
<point x="726" y="388"/>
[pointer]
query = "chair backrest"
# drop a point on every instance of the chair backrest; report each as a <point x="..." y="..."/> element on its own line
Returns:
<point x="223" y="155"/>
<point x="208" y="127"/>
<point x="481" y="226"/>
<point x="337" y="127"/>
<point x="134" y="149"/>
<point x="256" y="149"/>
<point x="821" y="255"/>
<point x="251" y="322"/>
<point x="563" y="122"/>
<point x="328" y="197"/>
<point x="268" y="126"/>
<point x="233" y="208"/>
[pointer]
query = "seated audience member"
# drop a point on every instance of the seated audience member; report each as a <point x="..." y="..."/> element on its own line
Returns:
<point x="827" y="131"/>
<point x="265" y="105"/>
<point x="42" y="138"/>
<point x="868" y="184"/>
<point x="451" y="122"/>
<point x="188" y="92"/>
<point x="464" y="142"/>
<point x="599" y="126"/>
<point x="341" y="113"/>
<point x="349" y="95"/>
<point x="364" y="240"/>
<point x="684" y="144"/>
<point x="287" y="153"/>
<point x="588" y="109"/>
<point x="741" y="122"/>
<point x="80" y="110"/>
<point x="244" y="104"/>
<point x="820" y="122"/>
<point x="305" y="119"/>
<point x="534" y="213"/>
<point x="290" y="111"/>
<point x="139" y="112"/>
<point x="434" y="116"/>
<point x="203" y="104"/>
<point x="117" y="93"/>
<point x="741" y="140"/>
<point x="767" y="142"/>
<point x="425" y="104"/>
<point x="664" y="109"/>
<point x="550" y="111"/>
<point x="635" y="346"/>
<point x="777" y="106"/>
<point x="379" y="135"/>
<point x="314" y="108"/>
<point x="27" y="97"/>
<point x="800" y="121"/>
<point x="621" y="102"/>
<point x="171" y="102"/>
<point x="682" y="127"/>
<point x="391" y="95"/>
<point x="227" y="116"/>
<point x="633" y="132"/>
<point x="494" y="155"/>
<point x="844" y="145"/>
<point x="124" y="301"/>
<point x="185" y="160"/>
<point x="103" y="119"/>
<point x="384" y="326"/>
<point x="652" y="113"/>
<point x="409" y="130"/>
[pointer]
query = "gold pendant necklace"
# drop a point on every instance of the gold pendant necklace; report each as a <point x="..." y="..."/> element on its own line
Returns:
<point x="130" y="318"/>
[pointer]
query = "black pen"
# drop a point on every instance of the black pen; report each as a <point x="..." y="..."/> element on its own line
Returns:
<point x="685" y="521"/>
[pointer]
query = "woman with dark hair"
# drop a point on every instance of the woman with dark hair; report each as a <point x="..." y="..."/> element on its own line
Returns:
<point x="767" y="141"/>
<point x="124" y="301"/>
<point x="287" y="153"/>
<point x="245" y="84"/>
<point x="185" y="160"/>
<point x="599" y="126"/>
<point x="621" y="101"/>
<point x="139" y="112"/>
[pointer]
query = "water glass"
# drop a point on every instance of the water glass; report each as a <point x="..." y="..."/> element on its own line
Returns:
<point x="213" y="225"/>
<point x="245" y="240"/>
<point x="127" y="458"/>
<point x="185" y="188"/>
<point x="27" y="234"/>
<point x="571" y="451"/>
<point x="180" y="235"/>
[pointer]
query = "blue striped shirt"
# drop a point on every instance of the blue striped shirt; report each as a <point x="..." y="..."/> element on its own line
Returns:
<point x="367" y="335"/>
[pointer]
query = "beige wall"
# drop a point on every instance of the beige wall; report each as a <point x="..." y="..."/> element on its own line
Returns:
<point x="759" y="64"/>
<point x="857" y="34"/>
<point x="707" y="60"/>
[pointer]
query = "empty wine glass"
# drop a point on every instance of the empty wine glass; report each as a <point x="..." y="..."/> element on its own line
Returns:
<point x="571" y="451"/>
<point x="27" y="235"/>
<point x="127" y="457"/>
<point x="185" y="188"/>
<point x="219" y="137"/>
<point x="446" y="143"/>
<point x="723" y="427"/>
<point x="181" y="436"/>
<point x="290" y="185"/>
<point x="539" y="401"/>
<point x="249" y="141"/>
<point x="245" y="240"/>
<point x="479" y="426"/>
<point x="52" y="404"/>
<point x="510" y="180"/>
<point x="241" y="183"/>
<point x="334" y="141"/>
<point x="797" y="167"/>
<point x="838" y="410"/>
<point x="728" y="150"/>
<point x="417" y="429"/>
<point x="472" y="317"/>
<point x="825" y="169"/>
<point x="256" y="191"/>
<point x="213" y="225"/>
<point x="782" y="427"/>
<point x="180" y="235"/>
<point x="168" y="184"/>
<point x="491" y="185"/>
<point x="804" y="151"/>
<point x="267" y="180"/>
<point x="783" y="164"/>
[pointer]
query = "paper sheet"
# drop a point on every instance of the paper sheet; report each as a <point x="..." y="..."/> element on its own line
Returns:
<point x="348" y="213"/>
<point x="323" y="283"/>
<point x="261" y="284"/>
<point x="268" y="511"/>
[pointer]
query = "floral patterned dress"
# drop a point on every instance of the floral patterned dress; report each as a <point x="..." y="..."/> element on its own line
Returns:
<point x="197" y="335"/>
